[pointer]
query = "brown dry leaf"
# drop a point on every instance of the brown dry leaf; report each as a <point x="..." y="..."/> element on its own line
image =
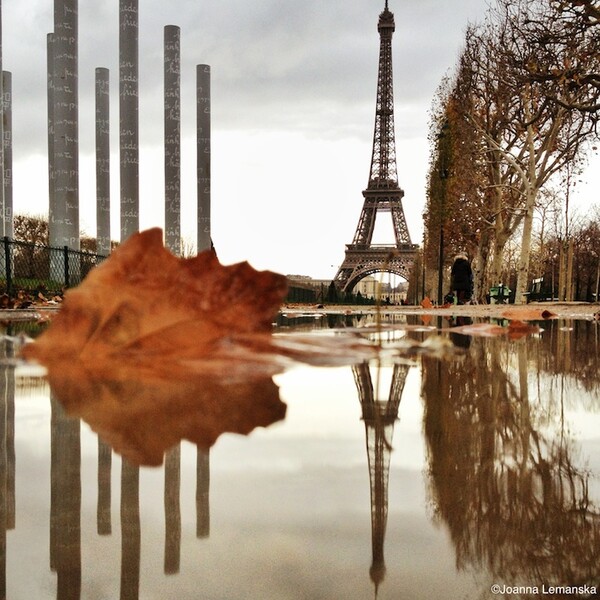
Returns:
<point x="145" y="307"/>
<point x="151" y="349"/>
<point x="515" y="330"/>
<point x="527" y="314"/>
<point x="141" y="418"/>
<point x="480" y="329"/>
<point x="426" y="302"/>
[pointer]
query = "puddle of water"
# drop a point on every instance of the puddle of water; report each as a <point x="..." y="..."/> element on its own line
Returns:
<point x="421" y="476"/>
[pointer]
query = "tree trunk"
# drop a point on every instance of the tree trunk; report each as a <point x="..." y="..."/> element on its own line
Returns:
<point x="569" y="282"/>
<point x="500" y="240"/>
<point x="523" y="264"/>
<point x="480" y="266"/>
<point x="562" y="272"/>
<point x="531" y="189"/>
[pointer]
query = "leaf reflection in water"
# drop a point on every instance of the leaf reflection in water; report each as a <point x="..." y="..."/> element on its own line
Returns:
<point x="142" y="417"/>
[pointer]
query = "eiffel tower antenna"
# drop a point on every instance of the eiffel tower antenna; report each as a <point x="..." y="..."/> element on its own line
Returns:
<point x="383" y="193"/>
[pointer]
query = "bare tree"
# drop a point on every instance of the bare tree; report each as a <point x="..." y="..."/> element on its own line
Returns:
<point x="454" y="188"/>
<point x="564" y="35"/>
<point x="527" y="137"/>
<point x="32" y="229"/>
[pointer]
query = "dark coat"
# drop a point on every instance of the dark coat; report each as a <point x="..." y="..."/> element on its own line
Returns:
<point x="461" y="276"/>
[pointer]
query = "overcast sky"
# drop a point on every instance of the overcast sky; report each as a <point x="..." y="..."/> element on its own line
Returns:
<point x="293" y="86"/>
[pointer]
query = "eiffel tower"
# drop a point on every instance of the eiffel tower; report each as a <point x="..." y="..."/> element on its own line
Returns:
<point x="383" y="193"/>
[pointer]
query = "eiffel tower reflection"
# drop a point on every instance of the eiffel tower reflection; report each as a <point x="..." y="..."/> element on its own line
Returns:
<point x="379" y="417"/>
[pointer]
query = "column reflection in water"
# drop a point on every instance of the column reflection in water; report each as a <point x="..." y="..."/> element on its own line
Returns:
<point x="172" y="510"/>
<point x="130" y="531"/>
<point x="103" y="513"/>
<point x="65" y="498"/>
<point x="7" y="457"/>
<point x="379" y="417"/>
<point x="503" y="463"/>
<point x="202" y="493"/>
<point x="65" y="510"/>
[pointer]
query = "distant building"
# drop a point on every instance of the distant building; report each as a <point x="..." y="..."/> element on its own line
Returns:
<point x="369" y="287"/>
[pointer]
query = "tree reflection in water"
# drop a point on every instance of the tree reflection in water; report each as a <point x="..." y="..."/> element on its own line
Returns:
<point x="505" y="474"/>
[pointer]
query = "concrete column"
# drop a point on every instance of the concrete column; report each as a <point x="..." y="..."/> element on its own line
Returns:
<point x="2" y="207"/>
<point x="172" y="139"/>
<point x="203" y="155"/>
<point x="64" y="216"/>
<point x="128" y="117"/>
<point x="52" y="208"/>
<point x="102" y="161"/>
<point x="7" y="221"/>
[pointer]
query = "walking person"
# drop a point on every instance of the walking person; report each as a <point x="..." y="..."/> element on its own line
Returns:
<point x="461" y="279"/>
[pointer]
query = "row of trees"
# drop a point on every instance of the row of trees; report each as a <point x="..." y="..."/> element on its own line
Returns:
<point x="33" y="229"/>
<point x="516" y="119"/>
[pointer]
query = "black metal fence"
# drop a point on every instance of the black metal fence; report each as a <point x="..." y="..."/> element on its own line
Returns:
<point x="37" y="268"/>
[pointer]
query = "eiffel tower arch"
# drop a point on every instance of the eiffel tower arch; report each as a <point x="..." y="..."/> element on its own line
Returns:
<point x="383" y="194"/>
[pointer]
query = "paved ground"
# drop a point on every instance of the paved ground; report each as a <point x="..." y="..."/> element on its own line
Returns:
<point x="532" y="311"/>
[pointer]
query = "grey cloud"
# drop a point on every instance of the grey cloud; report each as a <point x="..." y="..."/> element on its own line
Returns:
<point x="306" y="66"/>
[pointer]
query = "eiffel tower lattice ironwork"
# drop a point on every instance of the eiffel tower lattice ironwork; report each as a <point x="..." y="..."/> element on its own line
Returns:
<point x="383" y="193"/>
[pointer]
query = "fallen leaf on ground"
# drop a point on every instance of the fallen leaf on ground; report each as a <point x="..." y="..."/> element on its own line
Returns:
<point x="527" y="314"/>
<point x="516" y="329"/>
<point x="145" y="307"/>
<point x="151" y="349"/>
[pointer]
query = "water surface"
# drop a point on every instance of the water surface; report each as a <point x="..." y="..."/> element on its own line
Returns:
<point x="421" y="475"/>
